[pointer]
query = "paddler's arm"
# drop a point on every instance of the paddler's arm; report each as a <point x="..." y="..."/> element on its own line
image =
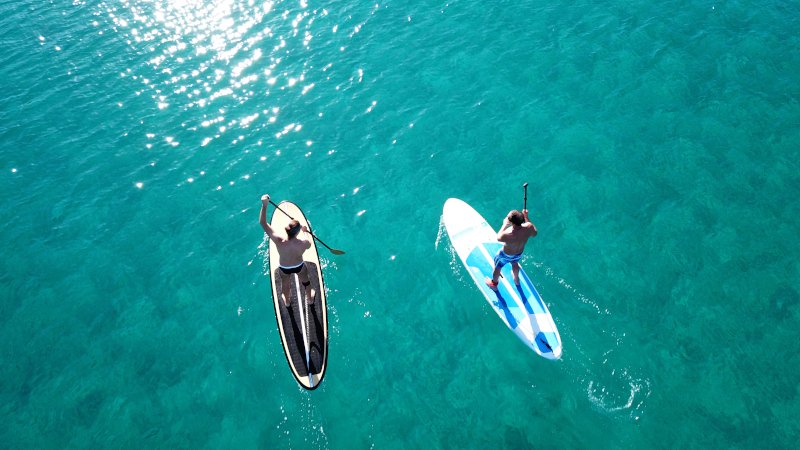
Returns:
<point x="533" y="230"/>
<point x="501" y="235"/>
<point x="263" y="216"/>
<point x="310" y="240"/>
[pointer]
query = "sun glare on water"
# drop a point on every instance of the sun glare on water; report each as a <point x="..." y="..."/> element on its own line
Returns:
<point x="225" y="66"/>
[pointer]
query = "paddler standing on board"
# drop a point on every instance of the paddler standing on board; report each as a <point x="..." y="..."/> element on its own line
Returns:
<point x="291" y="245"/>
<point x="514" y="234"/>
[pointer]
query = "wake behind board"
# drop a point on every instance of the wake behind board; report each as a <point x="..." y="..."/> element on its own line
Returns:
<point x="303" y="328"/>
<point x="520" y="307"/>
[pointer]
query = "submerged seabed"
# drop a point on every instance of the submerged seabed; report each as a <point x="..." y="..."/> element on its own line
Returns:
<point x="660" y="143"/>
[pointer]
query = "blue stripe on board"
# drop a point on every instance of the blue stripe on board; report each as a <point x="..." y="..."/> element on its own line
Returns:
<point x="528" y="291"/>
<point x="527" y="285"/>
<point x="545" y="341"/>
<point x="502" y="298"/>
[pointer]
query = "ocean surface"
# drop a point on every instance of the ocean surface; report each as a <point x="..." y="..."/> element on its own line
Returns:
<point x="660" y="141"/>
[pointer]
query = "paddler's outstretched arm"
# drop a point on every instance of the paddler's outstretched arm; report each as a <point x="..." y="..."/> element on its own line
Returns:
<point x="263" y="217"/>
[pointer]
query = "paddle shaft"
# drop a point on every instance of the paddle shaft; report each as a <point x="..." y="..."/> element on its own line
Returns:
<point x="333" y="250"/>
<point x="525" y="198"/>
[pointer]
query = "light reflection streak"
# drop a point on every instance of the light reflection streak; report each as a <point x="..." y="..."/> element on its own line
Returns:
<point x="210" y="50"/>
<point x="219" y="60"/>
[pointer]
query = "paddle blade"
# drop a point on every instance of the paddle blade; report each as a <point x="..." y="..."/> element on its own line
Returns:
<point x="337" y="252"/>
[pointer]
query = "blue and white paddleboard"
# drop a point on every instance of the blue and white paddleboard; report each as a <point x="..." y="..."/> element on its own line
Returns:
<point x="520" y="307"/>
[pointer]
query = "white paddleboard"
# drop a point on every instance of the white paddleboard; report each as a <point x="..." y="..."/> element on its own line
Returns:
<point x="303" y="327"/>
<point x="520" y="307"/>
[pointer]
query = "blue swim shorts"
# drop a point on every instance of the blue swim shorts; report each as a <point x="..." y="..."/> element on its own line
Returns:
<point x="501" y="259"/>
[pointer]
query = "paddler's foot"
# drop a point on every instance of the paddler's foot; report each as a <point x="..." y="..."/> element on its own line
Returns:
<point x="491" y="283"/>
<point x="285" y="300"/>
<point x="312" y="295"/>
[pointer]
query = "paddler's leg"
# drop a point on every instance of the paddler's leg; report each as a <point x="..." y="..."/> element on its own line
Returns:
<point x="515" y="272"/>
<point x="286" y="288"/>
<point x="305" y="281"/>
<point x="498" y="266"/>
<point x="492" y="282"/>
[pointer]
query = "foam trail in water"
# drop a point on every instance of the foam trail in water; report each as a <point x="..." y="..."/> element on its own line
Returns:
<point x="610" y="384"/>
<point x="262" y="251"/>
<point x="455" y="264"/>
<point x="440" y="233"/>
<point x="313" y="429"/>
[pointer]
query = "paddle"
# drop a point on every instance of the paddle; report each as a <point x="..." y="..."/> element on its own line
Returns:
<point x="525" y="200"/>
<point x="333" y="250"/>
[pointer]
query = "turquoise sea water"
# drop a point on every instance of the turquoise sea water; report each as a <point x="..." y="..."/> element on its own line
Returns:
<point x="660" y="140"/>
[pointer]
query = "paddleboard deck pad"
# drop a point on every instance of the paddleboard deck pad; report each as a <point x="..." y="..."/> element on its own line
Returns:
<point x="303" y="327"/>
<point x="520" y="307"/>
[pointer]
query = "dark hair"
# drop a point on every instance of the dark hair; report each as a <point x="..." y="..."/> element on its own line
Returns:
<point x="516" y="217"/>
<point x="293" y="228"/>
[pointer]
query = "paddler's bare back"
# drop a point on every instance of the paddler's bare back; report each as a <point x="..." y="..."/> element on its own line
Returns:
<point x="514" y="234"/>
<point x="514" y="240"/>
<point x="291" y="250"/>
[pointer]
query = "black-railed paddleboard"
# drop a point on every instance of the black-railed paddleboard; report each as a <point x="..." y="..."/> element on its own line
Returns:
<point x="303" y="328"/>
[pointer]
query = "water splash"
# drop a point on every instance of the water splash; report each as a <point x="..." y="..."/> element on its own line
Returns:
<point x="262" y="252"/>
<point x="621" y="393"/>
